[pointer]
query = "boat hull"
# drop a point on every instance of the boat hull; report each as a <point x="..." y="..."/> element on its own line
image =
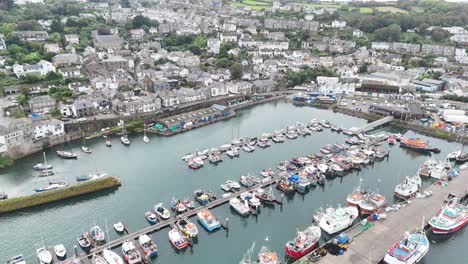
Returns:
<point x="298" y="254"/>
<point x="448" y="230"/>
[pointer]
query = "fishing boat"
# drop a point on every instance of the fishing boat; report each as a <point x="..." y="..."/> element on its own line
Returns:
<point x="44" y="256"/>
<point x="215" y="158"/>
<point x="266" y="256"/>
<point x="178" y="206"/>
<point x="233" y="152"/>
<point x="240" y="207"/>
<point x="124" y="139"/>
<point x="248" y="148"/>
<point x="147" y="246"/>
<point x="51" y="186"/>
<point x="19" y="259"/>
<point x="111" y="257"/>
<point x="208" y="220"/>
<point x="187" y="227"/>
<point x="119" y="227"/>
<point x="410" y="250"/>
<point x="246" y="181"/>
<point x="462" y="158"/>
<point x="192" y="164"/>
<point x="130" y="252"/>
<point x="417" y="144"/>
<point x="188" y="203"/>
<point x="66" y="154"/>
<point x="391" y="140"/>
<point x="291" y="134"/>
<point x="145" y="137"/>
<point x="452" y="217"/>
<point x="267" y="172"/>
<point x="45" y="173"/>
<point x="201" y="197"/>
<point x="60" y="251"/>
<point x="304" y="242"/>
<point x="251" y="199"/>
<point x="408" y="188"/>
<point x="91" y="176"/>
<point x="83" y="241"/>
<point x="108" y="143"/>
<point x="225" y="187"/>
<point x="162" y="211"/>
<point x="336" y="220"/>
<point x="278" y="138"/>
<point x="97" y="259"/>
<point x="285" y="186"/>
<point x="373" y="203"/>
<point x="151" y="217"/>
<point x="357" y="196"/>
<point x="97" y="234"/>
<point x="177" y="239"/>
<point x="264" y="196"/>
<point x="233" y="184"/>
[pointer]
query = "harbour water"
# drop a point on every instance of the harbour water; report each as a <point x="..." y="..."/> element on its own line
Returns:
<point x="153" y="172"/>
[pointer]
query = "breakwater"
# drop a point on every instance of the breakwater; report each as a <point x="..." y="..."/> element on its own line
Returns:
<point x="79" y="189"/>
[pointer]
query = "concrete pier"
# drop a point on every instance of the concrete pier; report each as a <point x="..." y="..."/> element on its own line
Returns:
<point x="372" y="245"/>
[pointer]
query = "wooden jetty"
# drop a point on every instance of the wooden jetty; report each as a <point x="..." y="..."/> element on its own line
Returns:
<point x="371" y="245"/>
<point x="171" y="222"/>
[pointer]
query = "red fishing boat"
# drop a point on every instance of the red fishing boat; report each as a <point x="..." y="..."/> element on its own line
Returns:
<point x="304" y="242"/>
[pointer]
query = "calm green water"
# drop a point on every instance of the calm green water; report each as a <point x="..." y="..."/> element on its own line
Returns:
<point x="153" y="173"/>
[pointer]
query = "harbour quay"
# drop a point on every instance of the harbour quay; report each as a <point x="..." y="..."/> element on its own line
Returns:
<point x="371" y="245"/>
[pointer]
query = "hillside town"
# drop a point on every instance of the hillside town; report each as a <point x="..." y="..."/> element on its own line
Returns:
<point x="84" y="60"/>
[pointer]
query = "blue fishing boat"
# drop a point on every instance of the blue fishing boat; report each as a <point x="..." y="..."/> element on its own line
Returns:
<point x="201" y="197"/>
<point x="208" y="220"/>
<point x="151" y="217"/>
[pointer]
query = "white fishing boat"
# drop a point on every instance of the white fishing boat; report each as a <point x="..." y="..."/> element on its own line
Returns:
<point x="251" y="199"/>
<point x="440" y="170"/>
<point x="336" y="220"/>
<point x="233" y="184"/>
<point x="119" y="227"/>
<point x="162" y="211"/>
<point x="86" y="149"/>
<point x="97" y="259"/>
<point x="149" y="248"/>
<point x="178" y="240"/>
<point x="233" y="152"/>
<point x="130" y="253"/>
<point x="60" y="251"/>
<point x="239" y="207"/>
<point x="108" y="143"/>
<point x="408" y="188"/>
<point x="199" y="161"/>
<point x="111" y="257"/>
<point x="44" y="256"/>
<point x="145" y="137"/>
<point x="19" y="259"/>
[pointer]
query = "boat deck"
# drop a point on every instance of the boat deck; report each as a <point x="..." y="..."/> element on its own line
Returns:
<point x="171" y="222"/>
<point x="371" y="245"/>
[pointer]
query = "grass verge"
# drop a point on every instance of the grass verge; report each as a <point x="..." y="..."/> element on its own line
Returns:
<point x="75" y="190"/>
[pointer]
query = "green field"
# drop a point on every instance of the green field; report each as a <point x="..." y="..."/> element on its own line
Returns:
<point x="321" y="4"/>
<point x="253" y="4"/>
<point x="390" y="9"/>
<point x="366" y="10"/>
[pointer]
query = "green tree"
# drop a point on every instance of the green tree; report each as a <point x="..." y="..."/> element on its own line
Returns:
<point x="29" y="25"/>
<point x="236" y="71"/>
<point x="194" y="49"/>
<point x="438" y="34"/>
<point x="55" y="112"/>
<point x="390" y="33"/>
<point x="7" y="4"/>
<point x="56" y="26"/>
<point x="22" y="99"/>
